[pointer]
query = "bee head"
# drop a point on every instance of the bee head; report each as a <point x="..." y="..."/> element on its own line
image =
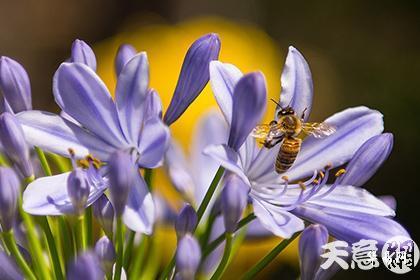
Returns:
<point x="286" y="111"/>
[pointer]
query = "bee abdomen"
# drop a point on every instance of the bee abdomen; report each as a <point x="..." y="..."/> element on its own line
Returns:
<point x="287" y="154"/>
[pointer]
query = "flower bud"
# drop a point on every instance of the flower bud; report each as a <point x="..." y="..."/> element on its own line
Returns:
<point x="8" y="268"/>
<point x="9" y="192"/>
<point x="121" y="179"/>
<point x="78" y="189"/>
<point x="310" y="250"/>
<point x="188" y="256"/>
<point x="86" y="266"/>
<point x="14" y="84"/>
<point x="186" y="221"/>
<point x="194" y="75"/>
<point x="14" y="143"/>
<point x="83" y="53"/>
<point x="104" y="214"/>
<point x="124" y="54"/>
<point x="105" y="251"/>
<point x="233" y="201"/>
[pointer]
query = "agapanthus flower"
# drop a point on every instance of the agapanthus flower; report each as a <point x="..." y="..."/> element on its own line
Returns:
<point x="101" y="127"/>
<point x="15" y="86"/>
<point x="282" y="202"/>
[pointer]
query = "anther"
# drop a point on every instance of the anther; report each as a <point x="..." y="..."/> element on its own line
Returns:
<point x="328" y="166"/>
<point x="285" y="178"/>
<point x="340" y="172"/>
<point x="321" y="174"/>
<point x="302" y="185"/>
<point x="315" y="182"/>
<point x="83" y="163"/>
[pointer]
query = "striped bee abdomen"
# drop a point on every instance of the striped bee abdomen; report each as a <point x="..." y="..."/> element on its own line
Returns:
<point x="288" y="152"/>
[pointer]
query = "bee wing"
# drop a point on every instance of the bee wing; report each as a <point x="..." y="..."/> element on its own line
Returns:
<point x="318" y="130"/>
<point x="261" y="131"/>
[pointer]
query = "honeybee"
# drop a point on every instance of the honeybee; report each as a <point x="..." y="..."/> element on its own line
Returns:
<point x="289" y="130"/>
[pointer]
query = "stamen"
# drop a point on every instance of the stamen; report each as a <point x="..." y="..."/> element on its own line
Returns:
<point x="72" y="157"/>
<point x="302" y="185"/>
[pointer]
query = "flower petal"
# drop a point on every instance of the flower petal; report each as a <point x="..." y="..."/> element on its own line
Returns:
<point x="48" y="196"/>
<point x="349" y="198"/>
<point x="354" y="126"/>
<point x="211" y="129"/>
<point x="296" y="84"/>
<point x="153" y="143"/>
<point x="54" y="134"/>
<point x="83" y="53"/>
<point x="194" y="75"/>
<point x="367" y="160"/>
<point x="351" y="226"/>
<point x="223" y="78"/>
<point x="139" y="214"/>
<point x="124" y="54"/>
<point x="81" y="94"/>
<point x="178" y="170"/>
<point x="248" y="106"/>
<point x="227" y="158"/>
<point x="280" y="223"/>
<point x="153" y="105"/>
<point x="130" y="95"/>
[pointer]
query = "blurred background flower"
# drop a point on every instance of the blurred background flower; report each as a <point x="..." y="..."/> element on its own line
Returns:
<point x="360" y="52"/>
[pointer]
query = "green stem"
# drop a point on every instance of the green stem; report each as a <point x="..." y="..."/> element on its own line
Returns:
<point x="79" y="233"/>
<point x="52" y="248"/>
<point x="148" y="176"/>
<point x="209" y="194"/>
<point x="14" y="250"/>
<point x="34" y="244"/>
<point x="61" y="163"/>
<point x="200" y="213"/>
<point x="140" y="257"/>
<point x="88" y="231"/>
<point x="44" y="163"/>
<point x="204" y="238"/>
<point x="250" y="274"/>
<point x="225" y="259"/>
<point x="128" y="249"/>
<point x="120" y="249"/>
<point x="67" y="242"/>
<point x="215" y="243"/>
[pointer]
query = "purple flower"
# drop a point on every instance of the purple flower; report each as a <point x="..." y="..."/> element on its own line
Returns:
<point x="15" y="86"/>
<point x="14" y="143"/>
<point x="86" y="266"/>
<point x="188" y="256"/>
<point x="194" y="75"/>
<point x="78" y="189"/>
<point x="186" y="221"/>
<point x="124" y="54"/>
<point x="233" y="201"/>
<point x="281" y="201"/>
<point x="9" y="193"/>
<point x="8" y="268"/>
<point x="310" y="250"/>
<point x="83" y="53"/>
<point x="192" y="176"/>
<point x="122" y="174"/>
<point x="104" y="214"/>
<point x="101" y="127"/>
<point x="105" y="251"/>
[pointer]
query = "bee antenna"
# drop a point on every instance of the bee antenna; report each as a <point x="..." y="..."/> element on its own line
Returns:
<point x="276" y="103"/>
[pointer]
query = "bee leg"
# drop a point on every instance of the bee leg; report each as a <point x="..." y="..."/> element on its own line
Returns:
<point x="303" y="113"/>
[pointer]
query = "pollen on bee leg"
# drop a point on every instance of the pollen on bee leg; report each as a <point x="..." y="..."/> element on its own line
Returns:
<point x="340" y="172"/>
